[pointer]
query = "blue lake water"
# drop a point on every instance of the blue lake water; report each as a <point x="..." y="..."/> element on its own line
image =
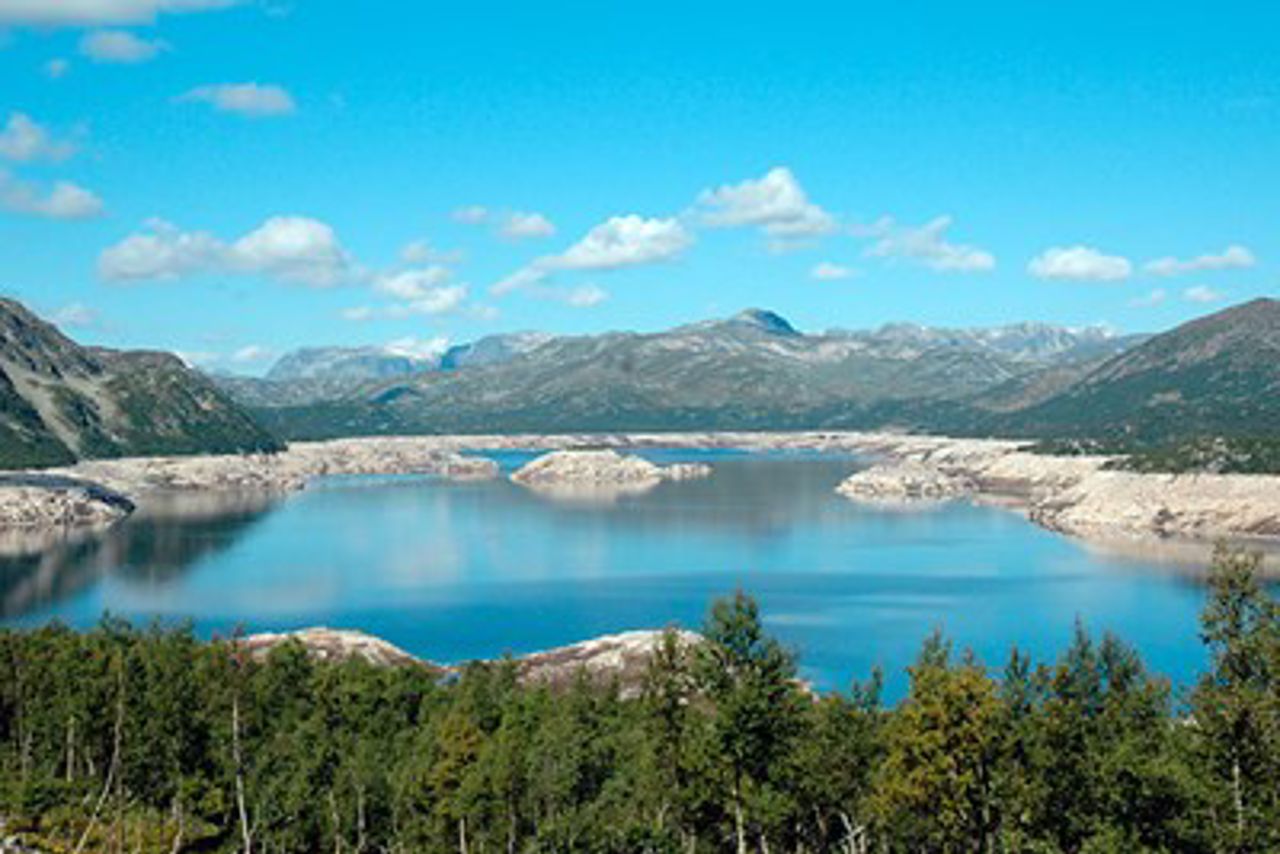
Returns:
<point x="456" y="571"/>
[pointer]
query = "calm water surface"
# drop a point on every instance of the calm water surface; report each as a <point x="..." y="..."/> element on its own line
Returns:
<point x="454" y="571"/>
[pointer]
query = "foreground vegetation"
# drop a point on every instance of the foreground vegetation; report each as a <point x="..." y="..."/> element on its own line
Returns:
<point x="127" y="740"/>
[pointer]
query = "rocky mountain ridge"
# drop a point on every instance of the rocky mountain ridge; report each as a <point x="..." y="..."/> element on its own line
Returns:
<point x="60" y="402"/>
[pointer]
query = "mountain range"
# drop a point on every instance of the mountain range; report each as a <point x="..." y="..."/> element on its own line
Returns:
<point x="754" y="370"/>
<point x="1218" y="375"/>
<point x="60" y="402"/>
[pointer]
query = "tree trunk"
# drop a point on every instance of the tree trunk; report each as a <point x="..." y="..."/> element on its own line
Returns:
<point x="246" y="837"/>
<point x="739" y="819"/>
<point x="462" y="835"/>
<point x="1237" y="795"/>
<point x="113" y="769"/>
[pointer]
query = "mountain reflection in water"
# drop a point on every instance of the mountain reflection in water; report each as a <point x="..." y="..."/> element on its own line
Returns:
<point x="454" y="571"/>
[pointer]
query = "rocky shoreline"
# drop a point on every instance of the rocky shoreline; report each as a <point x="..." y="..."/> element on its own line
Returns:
<point x="1078" y="496"/>
<point x="622" y="658"/>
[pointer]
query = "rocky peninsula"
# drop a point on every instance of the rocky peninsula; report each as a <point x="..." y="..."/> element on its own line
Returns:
<point x="1075" y="495"/>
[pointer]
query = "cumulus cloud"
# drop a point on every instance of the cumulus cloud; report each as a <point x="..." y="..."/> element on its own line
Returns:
<point x="1234" y="257"/>
<point x="623" y="241"/>
<point x="513" y="225"/>
<point x="518" y="225"/>
<point x="120" y="46"/>
<point x="78" y="13"/>
<point x="620" y="241"/>
<point x="1203" y="294"/>
<point x="827" y="271"/>
<point x="927" y="245"/>
<point x="415" y="291"/>
<point x="586" y="296"/>
<point x="775" y="203"/>
<point x="413" y="283"/>
<point x="289" y="248"/>
<point x="23" y="139"/>
<point x="1151" y="300"/>
<point x="255" y="100"/>
<point x="64" y="200"/>
<point x="1079" y="263"/>
<point x="422" y="252"/>
<point x="293" y="248"/>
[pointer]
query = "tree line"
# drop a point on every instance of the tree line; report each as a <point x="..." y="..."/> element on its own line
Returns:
<point x="122" y="739"/>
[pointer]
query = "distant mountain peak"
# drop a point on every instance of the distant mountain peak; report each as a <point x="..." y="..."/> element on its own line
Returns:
<point x="765" y="320"/>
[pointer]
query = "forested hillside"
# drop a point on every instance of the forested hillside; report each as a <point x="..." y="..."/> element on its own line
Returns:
<point x="150" y="741"/>
<point x="60" y="402"/>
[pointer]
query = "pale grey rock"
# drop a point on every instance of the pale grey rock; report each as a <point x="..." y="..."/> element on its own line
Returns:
<point x="327" y="644"/>
<point x="602" y="467"/>
<point x="904" y="483"/>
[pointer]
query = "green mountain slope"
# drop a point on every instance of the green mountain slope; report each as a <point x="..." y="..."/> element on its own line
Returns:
<point x="60" y="402"/>
<point x="752" y="371"/>
<point x="1218" y="375"/>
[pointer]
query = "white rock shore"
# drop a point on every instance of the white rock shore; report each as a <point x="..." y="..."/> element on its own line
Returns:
<point x="622" y="657"/>
<point x="599" y="475"/>
<point x="1072" y="495"/>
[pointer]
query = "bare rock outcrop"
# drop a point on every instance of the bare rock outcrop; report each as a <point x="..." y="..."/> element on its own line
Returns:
<point x="904" y="483"/>
<point x="35" y="502"/>
<point x="623" y="658"/>
<point x="603" y="467"/>
<point x="333" y="645"/>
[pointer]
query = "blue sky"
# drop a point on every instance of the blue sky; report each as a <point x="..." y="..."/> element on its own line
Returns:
<point x="238" y="179"/>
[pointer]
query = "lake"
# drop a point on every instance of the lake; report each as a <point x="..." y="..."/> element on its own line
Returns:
<point x="456" y="571"/>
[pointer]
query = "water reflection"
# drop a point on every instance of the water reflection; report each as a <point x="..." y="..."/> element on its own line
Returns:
<point x="455" y="571"/>
<point x="173" y="532"/>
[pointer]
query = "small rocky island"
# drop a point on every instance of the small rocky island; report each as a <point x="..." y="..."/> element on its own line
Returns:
<point x="602" y="469"/>
<point x="904" y="483"/>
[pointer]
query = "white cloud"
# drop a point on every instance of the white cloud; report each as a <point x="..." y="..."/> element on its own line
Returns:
<point x="1202" y="293"/>
<point x="1079" y="263"/>
<point x="1234" y="257"/>
<point x="120" y="46"/>
<point x="775" y="203"/>
<point x="1151" y="300"/>
<point x="75" y="315"/>
<point x="251" y="353"/>
<point x="441" y="300"/>
<point x="927" y="245"/>
<point x="413" y="284"/>
<point x="290" y="248"/>
<point x="163" y="252"/>
<point x="56" y="69"/>
<point x="471" y="215"/>
<point x="418" y="348"/>
<point x="828" y="271"/>
<point x="64" y="200"/>
<point x="247" y="99"/>
<point x="422" y="252"/>
<point x="522" y="279"/>
<point x="76" y="13"/>
<point x="586" y="296"/>
<point x="23" y="139"/>
<point x="293" y="248"/>
<point x="518" y="225"/>
<point x="623" y="241"/>
<point x="620" y="241"/>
